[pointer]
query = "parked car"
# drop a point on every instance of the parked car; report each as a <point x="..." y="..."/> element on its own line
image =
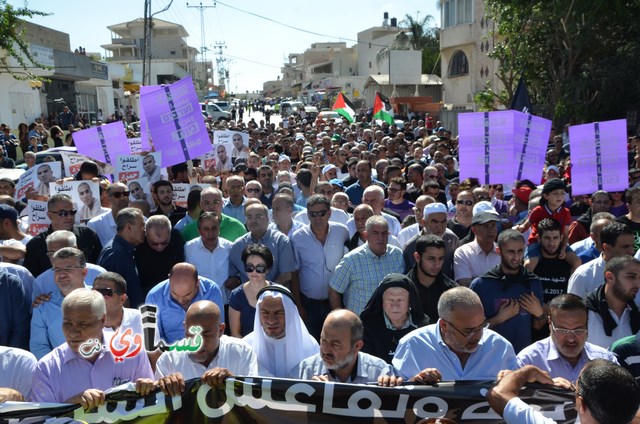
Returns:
<point x="312" y="112"/>
<point x="214" y="111"/>
<point x="329" y="115"/>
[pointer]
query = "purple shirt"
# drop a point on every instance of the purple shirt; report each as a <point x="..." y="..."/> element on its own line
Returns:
<point x="544" y="355"/>
<point x="62" y="373"/>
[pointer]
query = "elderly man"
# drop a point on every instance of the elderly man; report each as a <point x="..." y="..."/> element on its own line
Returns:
<point x="605" y="393"/>
<point x="62" y="215"/>
<point x="280" y="338"/>
<point x="259" y="233"/>
<point x="566" y="351"/>
<point x="211" y="201"/>
<point x="105" y="224"/>
<point x="434" y="221"/>
<point x="473" y="259"/>
<point x="118" y="254"/>
<point x="209" y="253"/>
<point x="361" y="270"/>
<point x="374" y="197"/>
<point x="174" y="296"/>
<point x="413" y="230"/>
<point x="458" y="347"/>
<point x="340" y="358"/>
<point x="161" y="249"/>
<point x="613" y="313"/>
<point x="318" y="249"/>
<point x="71" y="375"/>
<point x="69" y="268"/>
<point x="219" y="356"/>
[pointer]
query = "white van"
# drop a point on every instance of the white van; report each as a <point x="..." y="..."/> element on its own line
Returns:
<point x="214" y="112"/>
<point x="289" y="107"/>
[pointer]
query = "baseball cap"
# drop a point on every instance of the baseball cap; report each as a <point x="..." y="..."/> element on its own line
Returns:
<point x="484" y="207"/>
<point x="483" y="218"/>
<point x="523" y="193"/>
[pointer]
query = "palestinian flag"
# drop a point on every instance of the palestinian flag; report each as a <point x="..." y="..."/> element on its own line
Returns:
<point x="345" y="108"/>
<point x="382" y="109"/>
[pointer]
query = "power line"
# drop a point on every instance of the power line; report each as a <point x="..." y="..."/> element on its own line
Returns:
<point x="253" y="61"/>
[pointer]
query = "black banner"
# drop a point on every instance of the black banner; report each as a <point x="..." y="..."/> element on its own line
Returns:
<point x="260" y="400"/>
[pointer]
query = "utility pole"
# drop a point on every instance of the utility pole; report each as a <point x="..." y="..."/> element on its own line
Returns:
<point x="204" y="48"/>
<point x="145" y="42"/>
<point x="223" y="73"/>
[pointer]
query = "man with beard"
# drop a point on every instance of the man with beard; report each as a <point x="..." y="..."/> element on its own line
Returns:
<point x="458" y="347"/>
<point x="164" y="192"/>
<point x="511" y="295"/>
<point x="340" y="358"/>
<point x="613" y="314"/>
<point x="566" y="351"/>
<point x="553" y="272"/>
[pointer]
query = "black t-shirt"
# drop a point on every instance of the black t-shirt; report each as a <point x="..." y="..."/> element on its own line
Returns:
<point x="635" y="226"/>
<point x="554" y="275"/>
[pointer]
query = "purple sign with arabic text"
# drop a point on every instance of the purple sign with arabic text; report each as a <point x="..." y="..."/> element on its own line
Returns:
<point x="103" y="143"/>
<point x="175" y="121"/>
<point x="530" y="141"/>
<point x="486" y="146"/>
<point x="599" y="157"/>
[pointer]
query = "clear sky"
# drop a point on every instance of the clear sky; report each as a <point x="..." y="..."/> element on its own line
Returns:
<point x="255" y="47"/>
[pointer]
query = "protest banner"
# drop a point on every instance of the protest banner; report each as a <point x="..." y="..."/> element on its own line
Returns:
<point x="103" y="143"/>
<point x="235" y="142"/>
<point x="500" y="147"/>
<point x="181" y="192"/>
<point x="134" y="167"/>
<point x="38" y="219"/>
<point x="209" y="161"/>
<point x="38" y="179"/>
<point x="175" y="121"/>
<point x="599" y="157"/>
<point x="85" y="196"/>
<point x="268" y="401"/>
<point x="72" y="162"/>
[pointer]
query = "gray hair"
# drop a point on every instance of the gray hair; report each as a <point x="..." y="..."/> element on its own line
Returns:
<point x="127" y="216"/>
<point x="376" y="189"/>
<point x="67" y="237"/>
<point x="214" y="190"/>
<point x="159" y="222"/>
<point x="461" y="296"/>
<point x="85" y="297"/>
<point x="376" y="220"/>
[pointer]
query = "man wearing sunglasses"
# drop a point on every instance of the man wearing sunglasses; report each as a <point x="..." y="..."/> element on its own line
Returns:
<point x="566" y="351"/>
<point x="69" y="270"/>
<point x="113" y="288"/>
<point x="105" y="225"/>
<point x="457" y="347"/>
<point x="62" y="215"/>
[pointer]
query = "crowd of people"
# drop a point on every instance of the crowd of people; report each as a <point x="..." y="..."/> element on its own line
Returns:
<point x="334" y="252"/>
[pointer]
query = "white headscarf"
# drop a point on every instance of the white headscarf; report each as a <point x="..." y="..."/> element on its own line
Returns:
<point x="278" y="357"/>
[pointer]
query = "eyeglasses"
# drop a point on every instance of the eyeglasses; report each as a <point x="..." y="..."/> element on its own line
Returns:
<point x="67" y="269"/>
<point x="464" y="202"/>
<point x="315" y="214"/>
<point x="260" y="269"/>
<point x="253" y="190"/>
<point x="63" y="212"/>
<point x="108" y="291"/>
<point x="470" y="333"/>
<point x="393" y="190"/>
<point x="578" y="332"/>
<point x="119" y="194"/>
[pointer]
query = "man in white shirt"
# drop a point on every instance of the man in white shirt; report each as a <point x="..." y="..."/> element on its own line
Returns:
<point x="105" y="224"/>
<point x="218" y="357"/>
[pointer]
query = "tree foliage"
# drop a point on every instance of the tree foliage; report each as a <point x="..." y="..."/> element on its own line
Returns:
<point x="579" y="57"/>
<point x="417" y="35"/>
<point x="12" y="41"/>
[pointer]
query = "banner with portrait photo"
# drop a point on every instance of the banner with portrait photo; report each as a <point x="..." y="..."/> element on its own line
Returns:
<point x="599" y="157"/>
<point x="181" y="192"/>
<point x="136" y="167"/>
<point x="85" y="196"/>
<point x="72" y="162"/>
<point x="38" y="178"/>
<point x="38" y="220"/>
<point x="175" y="121"/>
<point x="236" y="142"/>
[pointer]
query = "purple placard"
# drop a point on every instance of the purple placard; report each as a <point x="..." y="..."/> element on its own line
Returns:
<point x="599" y="157"/>
<point x="104" y="143"/>
<point x="175" y="121"/>
<point x="144" y="129"/>
<point x="530" y="141"/>
<point x="486" y="147"/>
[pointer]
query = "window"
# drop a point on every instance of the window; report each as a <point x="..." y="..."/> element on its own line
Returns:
<point x="459" y="65"/>
<point x="455" y="12"/>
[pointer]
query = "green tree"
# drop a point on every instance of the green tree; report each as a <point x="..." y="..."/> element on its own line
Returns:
<point x="417" y="35"/>
<point x="579" y="57"/>
<point x="12" y="41"/>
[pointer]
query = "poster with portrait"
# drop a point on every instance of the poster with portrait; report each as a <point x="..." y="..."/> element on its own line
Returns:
<point x="134" y="167"/>
<point x="139" y="189"/>
<point x="237" y="144"/>
<point x="38" y="179"/>
<point x="72" y="162"/>
<point x="181" y="192"/>
<point x="85" y="196"/>
<point x="209" y="162"/>
<point x="38" y="220"/>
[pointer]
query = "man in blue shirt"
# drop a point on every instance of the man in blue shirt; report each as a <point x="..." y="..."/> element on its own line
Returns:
<point x="174" y="296"/>
<point x="458" y="347"/>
